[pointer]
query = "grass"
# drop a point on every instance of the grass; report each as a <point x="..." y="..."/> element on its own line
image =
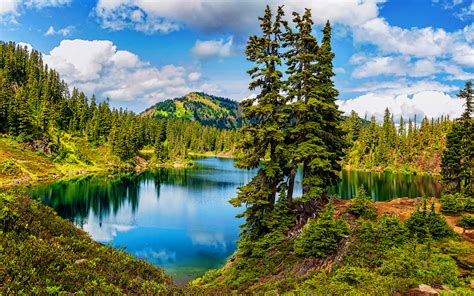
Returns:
<point x="21" y="165"/>
<point x="41" y="253"/>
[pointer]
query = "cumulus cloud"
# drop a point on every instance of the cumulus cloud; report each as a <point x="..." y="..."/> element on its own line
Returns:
<point x="64" y="31"/>
<point x="212" y="48"/>
<point x="96" y="66"/>
<point x="423" y="98"/>
<point x="425" y="42"/>
<point x="221" y="16"/>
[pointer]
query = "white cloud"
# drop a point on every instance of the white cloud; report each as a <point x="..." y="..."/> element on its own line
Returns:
<point x="45" y="3"/>
<point x="212" y="48"/>
<point x="402" y="97"/>
<point x="402" y="86"/>
<point x="420" y="42"/>
<point x="96" y="66"/>
<point x="10" y="9"/>
<point x="235" y="16"/>
<point x="194" y="76"/>
<point x="425" y="42"/>
<point x="28" y="46"/>
<point x="379" y="66"/>
<point x="64" y="31"/>
<point x="405" y="66"/>
<point x="432" y="104"/>
<point x="9" y="6"/>
<point x="466" y="12"/>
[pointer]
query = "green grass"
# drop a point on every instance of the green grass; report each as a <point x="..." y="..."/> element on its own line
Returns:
<point x="21" y="165"/>
<point x="41" y="253"/>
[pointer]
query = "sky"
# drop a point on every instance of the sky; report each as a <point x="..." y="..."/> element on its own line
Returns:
<point x="412" y="56"/>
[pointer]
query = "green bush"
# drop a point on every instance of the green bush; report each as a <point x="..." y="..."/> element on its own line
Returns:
<point x="421" y="264"/>
<point x="469" y="205"/>
<point x="321" y="237"/>
<point x="426" y="223"/>
<point x="452" y="204"/>
<point x="361" y="205"/>
<point x="373" y="240"/>
<point x="466" y="222"/>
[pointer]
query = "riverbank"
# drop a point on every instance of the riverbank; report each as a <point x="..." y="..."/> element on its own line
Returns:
<point x="22" y="165"/>
<point x="401" y="170"/>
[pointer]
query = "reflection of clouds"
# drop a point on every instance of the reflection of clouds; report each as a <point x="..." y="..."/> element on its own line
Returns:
<point x="105" y="232"/>
<point x="212" y="239"/>
<point x="160" y="257"/>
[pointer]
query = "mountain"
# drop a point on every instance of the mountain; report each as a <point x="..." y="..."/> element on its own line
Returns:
<point x="196" y="106"/>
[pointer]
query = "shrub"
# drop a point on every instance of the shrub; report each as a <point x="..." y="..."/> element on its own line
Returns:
<point x="425" y="224"/>
<point x="10" y="168"/>
<point x="421" y="264"/>
<point x="466" y="222"/>
<point x="469" y="205"/>
<point x="361" y="205"/>
<point x="452" y="204"/>
<point x="373" y="240"/>
<point x="321" y="237"/>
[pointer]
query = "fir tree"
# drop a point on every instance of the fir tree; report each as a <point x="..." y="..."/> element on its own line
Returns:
<point x="263" y="136"/>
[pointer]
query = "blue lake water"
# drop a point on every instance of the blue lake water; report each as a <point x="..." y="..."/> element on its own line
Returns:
<point x="180" y="219"/>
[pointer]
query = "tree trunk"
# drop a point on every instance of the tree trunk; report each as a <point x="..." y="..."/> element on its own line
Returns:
<point x="291" y="184"/>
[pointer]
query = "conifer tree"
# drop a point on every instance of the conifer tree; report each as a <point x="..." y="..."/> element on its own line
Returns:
<point x="263" y="135"/>
<point x="457" y="162"/>
<point x="324" y="169"/>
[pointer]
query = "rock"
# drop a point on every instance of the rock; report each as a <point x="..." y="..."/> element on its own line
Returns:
<point x="422" y="290"/>
<point x="445" y="288"/>
<point x="80" y="261"/>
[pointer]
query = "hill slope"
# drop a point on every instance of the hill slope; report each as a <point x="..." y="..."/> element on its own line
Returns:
<point x="206" y="109"/>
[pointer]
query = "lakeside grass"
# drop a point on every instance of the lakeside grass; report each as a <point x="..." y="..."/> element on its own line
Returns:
<point x="42" y="253"/>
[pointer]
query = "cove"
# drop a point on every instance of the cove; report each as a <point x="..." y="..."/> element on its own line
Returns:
<point x="180" y="219"/>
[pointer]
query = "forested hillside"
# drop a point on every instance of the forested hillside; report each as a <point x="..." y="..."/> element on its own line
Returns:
<point x="40" y="112"/>
<point x="408" y="146"/>
<point x="207" y="109"/>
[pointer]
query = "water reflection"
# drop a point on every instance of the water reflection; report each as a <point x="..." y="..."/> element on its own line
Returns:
<point x="180" y="219"/>
<point x="386" y="186"/>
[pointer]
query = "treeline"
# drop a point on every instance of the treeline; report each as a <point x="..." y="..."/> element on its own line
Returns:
<point x="407" y="146"/>
<point x="35" y="104"/>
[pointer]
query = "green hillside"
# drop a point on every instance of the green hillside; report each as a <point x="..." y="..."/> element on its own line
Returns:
<point x="206" y="109"/>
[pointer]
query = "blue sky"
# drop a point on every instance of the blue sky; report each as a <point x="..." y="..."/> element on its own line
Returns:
<point x="409" y="55"/>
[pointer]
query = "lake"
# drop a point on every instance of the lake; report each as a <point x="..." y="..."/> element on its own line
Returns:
<point x="180" y="219"/>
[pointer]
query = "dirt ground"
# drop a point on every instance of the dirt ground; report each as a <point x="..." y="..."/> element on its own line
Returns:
<point x="403" y="207"/>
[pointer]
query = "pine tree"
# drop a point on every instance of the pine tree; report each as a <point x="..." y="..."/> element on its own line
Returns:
<point x="457" y="162"/>
<point x="262" y="135"/>
<point x="327" y="167"/>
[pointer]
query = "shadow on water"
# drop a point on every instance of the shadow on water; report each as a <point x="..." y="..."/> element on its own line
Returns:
<point x="180" y="219"/>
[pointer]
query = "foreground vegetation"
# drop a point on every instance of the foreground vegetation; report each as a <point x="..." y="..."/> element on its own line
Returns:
<point x="41" y="253"/>
<point x="344" y="252"/>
